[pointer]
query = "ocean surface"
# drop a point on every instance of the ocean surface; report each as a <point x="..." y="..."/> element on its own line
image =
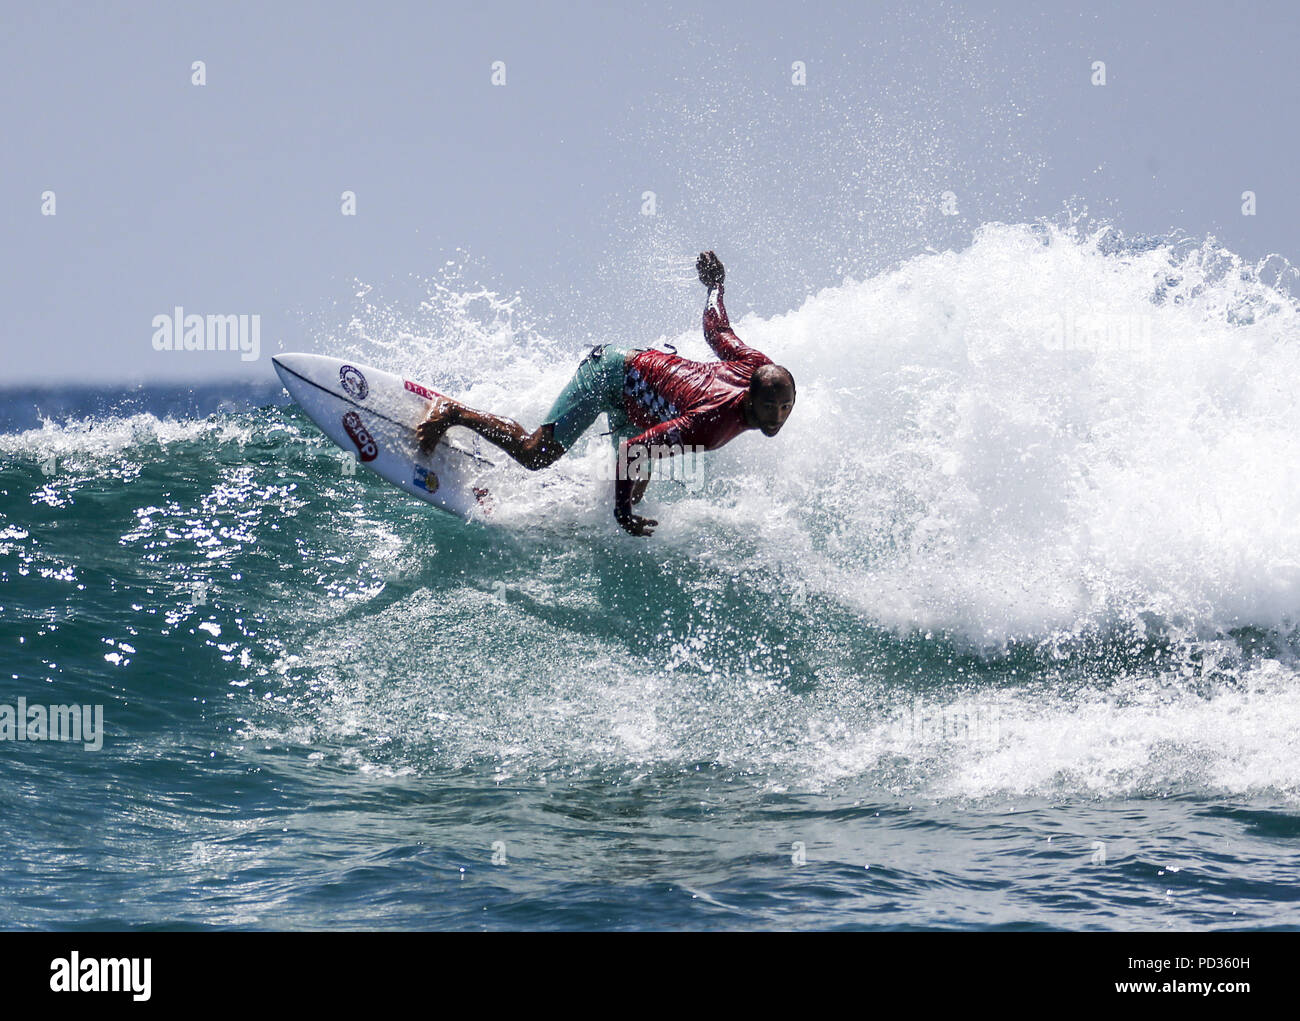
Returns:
<point x="999" y="633"/>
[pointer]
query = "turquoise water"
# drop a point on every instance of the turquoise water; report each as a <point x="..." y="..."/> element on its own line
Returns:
<point x="999" y="633"/>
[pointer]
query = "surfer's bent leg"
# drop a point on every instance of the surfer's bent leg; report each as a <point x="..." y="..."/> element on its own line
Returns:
<point x="594" y="388"/>
<point x="533" y="450"/>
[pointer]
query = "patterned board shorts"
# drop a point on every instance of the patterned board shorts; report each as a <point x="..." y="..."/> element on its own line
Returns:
<point x="597" y="386"/>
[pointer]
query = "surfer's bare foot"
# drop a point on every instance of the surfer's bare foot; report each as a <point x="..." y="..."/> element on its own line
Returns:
<point x="443" y="414"/>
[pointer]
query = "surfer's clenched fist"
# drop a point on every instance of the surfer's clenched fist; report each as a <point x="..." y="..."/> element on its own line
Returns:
<point x="710" y="269"/>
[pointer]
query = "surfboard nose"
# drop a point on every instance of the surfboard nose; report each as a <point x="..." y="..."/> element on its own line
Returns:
<point x="288" y="360"/>
<point x="292" y="365"/>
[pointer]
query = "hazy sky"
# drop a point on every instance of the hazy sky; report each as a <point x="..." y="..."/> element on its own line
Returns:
<point x="225" y="198"/>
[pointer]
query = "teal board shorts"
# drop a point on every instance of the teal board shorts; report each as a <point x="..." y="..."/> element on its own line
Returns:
<point x="597" y="386"/>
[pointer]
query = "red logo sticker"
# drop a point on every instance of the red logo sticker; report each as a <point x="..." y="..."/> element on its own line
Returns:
<point x="423" y="391"/>
<point x="366" y="445"/>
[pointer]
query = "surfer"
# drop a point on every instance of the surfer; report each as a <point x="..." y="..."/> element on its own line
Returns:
<point x="658" y="404"/>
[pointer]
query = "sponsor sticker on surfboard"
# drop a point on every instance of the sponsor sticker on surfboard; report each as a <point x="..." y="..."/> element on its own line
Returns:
<point x="367" y="448"/>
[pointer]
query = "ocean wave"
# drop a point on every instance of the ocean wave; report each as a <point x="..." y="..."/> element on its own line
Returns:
<point x="1045" y="478"/>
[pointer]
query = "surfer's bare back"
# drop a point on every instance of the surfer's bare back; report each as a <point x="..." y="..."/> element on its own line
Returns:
<point x="657" y="403"/>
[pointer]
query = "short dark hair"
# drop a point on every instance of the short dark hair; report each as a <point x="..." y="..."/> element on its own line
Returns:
<point x="769" y="379"/>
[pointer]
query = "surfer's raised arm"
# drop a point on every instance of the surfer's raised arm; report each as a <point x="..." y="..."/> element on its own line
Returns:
<point x="717" y="328"/>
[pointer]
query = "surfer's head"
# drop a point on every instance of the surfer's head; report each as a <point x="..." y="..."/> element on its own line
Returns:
<point x="771" y="398"/>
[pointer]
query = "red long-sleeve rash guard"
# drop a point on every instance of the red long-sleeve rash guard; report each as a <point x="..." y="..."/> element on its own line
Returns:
<point x="678" y="402"/>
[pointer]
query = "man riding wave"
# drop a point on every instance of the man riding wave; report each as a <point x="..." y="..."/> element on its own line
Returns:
<point x="657" y="403"/>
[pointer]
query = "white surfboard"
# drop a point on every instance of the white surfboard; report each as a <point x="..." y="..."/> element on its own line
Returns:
<point x="372" y="414"/>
